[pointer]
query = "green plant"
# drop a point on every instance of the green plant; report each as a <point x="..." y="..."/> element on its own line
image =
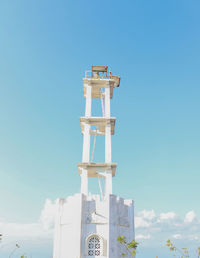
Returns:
<point x="24" y="256"/>
<point x="198" y="251"/>
<point x="183" y="251"/>
<point x="130" y="247"/>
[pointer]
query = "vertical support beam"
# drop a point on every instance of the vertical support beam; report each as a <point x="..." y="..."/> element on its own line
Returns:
<point x="86" y="143"/>
<point x="108" y="153"/>
<point x="86" y="140"/>
<point x="107" y="101"/>
<point x="108" y="183"/>
<point x="84" y="182"/>
<point x="88" y="104"/>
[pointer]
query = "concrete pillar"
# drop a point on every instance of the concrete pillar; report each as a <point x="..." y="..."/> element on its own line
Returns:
<point x="107" y="102"/>
<point x="84" y="182"/>
<point x="86" y="143"/>
<point x="88" y="104"/>
<point x="86" y="140"/>
<point x="108" y="183"/>
<point x="108" y="153"/>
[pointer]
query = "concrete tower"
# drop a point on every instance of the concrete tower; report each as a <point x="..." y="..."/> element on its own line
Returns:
<point x="88" y="225"/>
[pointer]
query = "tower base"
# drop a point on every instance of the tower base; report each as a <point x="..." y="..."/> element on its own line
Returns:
<point x="86" y="226"/>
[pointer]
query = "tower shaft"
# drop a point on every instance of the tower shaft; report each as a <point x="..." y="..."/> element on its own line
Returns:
<point x="97" y="85"/>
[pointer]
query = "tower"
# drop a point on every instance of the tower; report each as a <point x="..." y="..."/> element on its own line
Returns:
<point x="88" y="225"/>
<point x="98" y="84"/>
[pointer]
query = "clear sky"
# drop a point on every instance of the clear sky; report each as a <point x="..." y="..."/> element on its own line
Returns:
<point x="45" y="48"/>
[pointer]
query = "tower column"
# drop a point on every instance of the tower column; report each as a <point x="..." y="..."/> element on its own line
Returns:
<point x="85" y="159"/>
<point x="107" y="101"/>
<point x="108" y="183"/>
<point x="108" y="153"/>
<point x="88" y="104"/>
<point x="86" y="141"/>
<point x="84" y="182"/>
<point x="108" y="159"/>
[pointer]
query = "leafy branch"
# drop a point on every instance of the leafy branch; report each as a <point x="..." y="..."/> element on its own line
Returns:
<point x="130" y="247"/>
<point x="183" y="251"/>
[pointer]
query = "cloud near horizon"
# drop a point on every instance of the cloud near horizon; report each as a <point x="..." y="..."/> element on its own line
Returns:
<point x="169" y="225"/>
<point x="42" y="228"/>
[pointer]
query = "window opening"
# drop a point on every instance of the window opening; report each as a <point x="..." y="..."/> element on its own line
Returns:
<point x="94" y="246"/>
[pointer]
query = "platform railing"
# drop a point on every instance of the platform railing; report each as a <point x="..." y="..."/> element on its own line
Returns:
<point x="90" y="74"/>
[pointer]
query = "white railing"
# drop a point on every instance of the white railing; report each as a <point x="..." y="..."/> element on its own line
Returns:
<point x="89" y="74"/>
<point x="100" y="75"/>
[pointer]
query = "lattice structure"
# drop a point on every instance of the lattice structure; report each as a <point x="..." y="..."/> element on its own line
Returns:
<point x="98" y="83"/>
<point x="94" y="246"/>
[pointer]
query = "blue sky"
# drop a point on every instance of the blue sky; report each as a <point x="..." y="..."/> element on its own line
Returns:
<point x="45" y="48"/>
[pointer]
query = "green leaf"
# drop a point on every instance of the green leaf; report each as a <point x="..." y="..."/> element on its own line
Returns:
<point x="133" y="244"/>
<point x="121" y="239"/>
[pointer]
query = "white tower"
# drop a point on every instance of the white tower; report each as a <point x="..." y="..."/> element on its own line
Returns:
<point x="88" y="225"/>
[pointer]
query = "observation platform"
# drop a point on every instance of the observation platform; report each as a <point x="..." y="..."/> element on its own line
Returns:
<point x="98" y="122"/>
<point x="97" y="169"/>
<point x="99" y="77"/>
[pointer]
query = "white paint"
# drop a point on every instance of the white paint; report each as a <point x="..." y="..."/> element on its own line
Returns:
<point x="86" y="132"/>
<point x="84" y="182"/>
<point x="79" y="217"/>
<point x="108" y="153"/>
<point x="107" y="101"/>
<point x="88" y="104"/>
<point x="108" y="183"/>
<point x="86" y="143"/>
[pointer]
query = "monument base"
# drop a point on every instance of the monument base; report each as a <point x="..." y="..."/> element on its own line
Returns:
<point x="86" y="226"/>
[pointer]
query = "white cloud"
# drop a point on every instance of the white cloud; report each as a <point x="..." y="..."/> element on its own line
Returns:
<point x="48" y="214"/>
<point x="194" y="237"/>
<point x="165" y="226"/>
<point x="144" y="218"/>
<point x="168" y="216"/>
<point x="21" y="230"/>
<point x="190" y="217"/>
<point x="177" y="236"/>
<point x="140" y="237"/>
<point x="42" y="228"/>
<point x="148" y="215"/>
<point x="141" y="223"/>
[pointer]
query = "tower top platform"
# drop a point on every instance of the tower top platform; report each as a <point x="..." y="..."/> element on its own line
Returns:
<point x="99" y="77"/>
